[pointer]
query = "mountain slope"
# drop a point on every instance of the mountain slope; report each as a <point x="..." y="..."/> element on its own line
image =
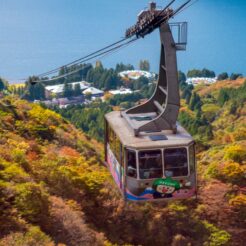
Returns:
<point x="46" y="166"/>
<point x="54" y="189"/>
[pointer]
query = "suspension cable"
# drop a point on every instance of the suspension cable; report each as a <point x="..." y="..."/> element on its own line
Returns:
<point x="103" y="54"/>
<point x="80" y="59"/>
<point x="181" y="10"/>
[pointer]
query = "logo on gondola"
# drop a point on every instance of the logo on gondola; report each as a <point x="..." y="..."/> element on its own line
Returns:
<point x="164" y="188"/>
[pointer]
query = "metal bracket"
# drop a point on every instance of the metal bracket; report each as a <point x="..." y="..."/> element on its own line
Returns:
<point x="160" y="112"/>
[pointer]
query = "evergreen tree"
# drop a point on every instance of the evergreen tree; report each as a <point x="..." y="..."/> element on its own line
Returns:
<point x="186" y="95"/>
<point x="195" y="102"/>
<point x="200" y="73"/>
<point x="2" y="85"/>
<point x="138" y="84"/>
<point x="223" y="97"/>
<point x="36" y="91"/>
<point x="144" y="65"/>
<point x="122" y="67"/>
<point x="67" y="90"/>
<point x="235" y="76"/>
<point x="77" y="90"/>
<point x="208" y="73"/>
<point x="99" y="64"/>
<point x="223" y="76"/>
<point x="181" y="77"/>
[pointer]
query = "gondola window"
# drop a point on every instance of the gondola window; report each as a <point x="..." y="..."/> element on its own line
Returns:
<point x="150" y="164"/>
<point x="175" y="162"/>
<point x="131" y="164"/>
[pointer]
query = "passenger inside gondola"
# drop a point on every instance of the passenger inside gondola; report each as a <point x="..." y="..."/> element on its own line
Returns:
<point x="150" y="164"/>
<point x="175" y="162"/>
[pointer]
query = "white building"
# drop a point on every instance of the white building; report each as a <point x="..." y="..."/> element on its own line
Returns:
<point x="121" y="91"/>
<point x="94" y="92"/>
<point x="58" y="89"/>
<point x="136" y="74"/>
<point x="200" y="80"/>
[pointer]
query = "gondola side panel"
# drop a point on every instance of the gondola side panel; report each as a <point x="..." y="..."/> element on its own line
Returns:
<point x="182" y="189"/>
<point x="115" y="168"/>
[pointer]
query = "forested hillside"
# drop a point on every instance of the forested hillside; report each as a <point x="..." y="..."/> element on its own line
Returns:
<point x="55" y="189"/>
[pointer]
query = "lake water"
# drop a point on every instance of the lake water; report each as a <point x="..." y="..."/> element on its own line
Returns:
<point x="36" y="36"/>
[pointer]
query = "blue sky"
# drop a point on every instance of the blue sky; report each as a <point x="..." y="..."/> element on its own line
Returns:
<point x="36" y="36"/>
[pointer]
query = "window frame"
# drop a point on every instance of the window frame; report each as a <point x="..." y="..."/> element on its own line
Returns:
<point x="162" y="162"/>
<point x="126" y="163"/>
<point x="188" y="159"/>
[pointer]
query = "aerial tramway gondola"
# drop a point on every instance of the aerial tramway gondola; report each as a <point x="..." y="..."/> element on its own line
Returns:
<point x="149" y="155"/>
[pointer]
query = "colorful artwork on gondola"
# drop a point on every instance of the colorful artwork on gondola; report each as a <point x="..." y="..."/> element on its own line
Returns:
<point x="163" y="188"/>
<point x="114" y="167"/>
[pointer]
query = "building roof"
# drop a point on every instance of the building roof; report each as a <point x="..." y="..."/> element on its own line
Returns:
<point x="59" y="88"/>
<point x="121" y="91"/>
<point x="143" y="141"/>
<point x="136" y="74"/>
<point x="92" y="91"/>
<point x="198" y="80"/>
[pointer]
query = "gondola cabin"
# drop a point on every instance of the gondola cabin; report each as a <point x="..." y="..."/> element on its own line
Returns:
<point x="153" y="165"/>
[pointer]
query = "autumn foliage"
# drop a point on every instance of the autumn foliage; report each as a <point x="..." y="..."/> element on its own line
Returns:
<point x="54" y="188"/>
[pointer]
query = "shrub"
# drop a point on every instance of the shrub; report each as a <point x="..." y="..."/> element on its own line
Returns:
<point x="34" y="236"/>
<point x="233" y="172"/>
<point x="32" y="201"/>
<point x="72" y="226"/>
<point x="85" y="177"/>
<point x="239" y="204"/>
<point x="217" y="237"/>
<point x="240" y="133"/>
<point x="179" y="240"/>
<point x="212" y="170"/>
<point x="3" y="186"/>
<point x="178" y="207"/>
<point x="210" y="111"/>
<point x="236" y="153"/>
<point x="12" y="172"/>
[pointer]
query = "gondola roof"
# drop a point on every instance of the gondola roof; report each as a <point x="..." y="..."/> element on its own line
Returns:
<point x="145" y="140"/>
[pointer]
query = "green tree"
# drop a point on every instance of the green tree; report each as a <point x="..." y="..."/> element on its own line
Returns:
<point x="122" y="67"/>
<point x="77" y="90"/>
<point x="36" y="90"/>
<point x="201" y="73"/>
<point x="235" y="76"/>
<point x="223" y="96"/>
<point x="99" y="64"/>
<point x="208" y="73"/>
<point x="195" y="102"/>
<point x="67" y="90"/>
<point x="186" y="95"/>
<point x="2" y="85"/>
<point x="181" y="77"/>
<point x="32" y="201"/>
<point x="144" y="65"/>
<point x="223" y="76"/>
<point x="142" y="81"/>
